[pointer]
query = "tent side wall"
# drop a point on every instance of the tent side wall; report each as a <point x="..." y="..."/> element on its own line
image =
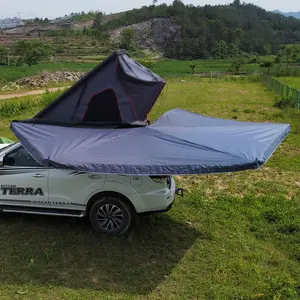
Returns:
<point x="119" y="87"/>
<point x="50" y="111"/>
<point x="143" y="95"/>
<point x="101" y="82"/>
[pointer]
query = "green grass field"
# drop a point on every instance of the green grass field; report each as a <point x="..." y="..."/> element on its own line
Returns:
<point x="291" y="81"/>
<point x="175" y="67"/>
<point x="9" y="74"/>
<point x="233" y="236"/>
<point x="163" y="68"/>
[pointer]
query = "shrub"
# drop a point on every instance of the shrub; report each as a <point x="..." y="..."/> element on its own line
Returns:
<point x="283" y="102"/>
<point x="254" y="60"/>
<point x="147" y="64"/>
<point x="138" y="53"/>
<point x="59" y="49"/>
<point x="12" y="109"/>
<point x="49" y="97"/>
<point x="15" y="108"/>
<point x="266" y="64"/>
<point x="277" y="59"/>
<point x="237" y="64"/>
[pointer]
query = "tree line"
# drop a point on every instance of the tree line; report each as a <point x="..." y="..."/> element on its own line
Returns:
<point x="220" y="31"/>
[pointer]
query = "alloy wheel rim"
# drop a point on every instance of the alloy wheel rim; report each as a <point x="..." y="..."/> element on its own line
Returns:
<point x="110" y="217"/>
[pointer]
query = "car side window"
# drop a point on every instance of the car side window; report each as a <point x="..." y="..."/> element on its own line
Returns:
<point x="20" y="158"/>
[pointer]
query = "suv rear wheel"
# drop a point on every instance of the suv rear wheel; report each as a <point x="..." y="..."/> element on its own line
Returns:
<point x="111" y="216"/>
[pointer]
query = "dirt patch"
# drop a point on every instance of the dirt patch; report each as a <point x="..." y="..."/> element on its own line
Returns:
<point x="30" y="93"/>
<point x="243" y="92"/>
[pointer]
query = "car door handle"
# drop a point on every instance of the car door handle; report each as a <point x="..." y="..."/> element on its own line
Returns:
<point x="38" y="175"/>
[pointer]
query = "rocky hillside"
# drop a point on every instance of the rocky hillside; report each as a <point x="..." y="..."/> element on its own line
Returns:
<point x="152" y="34"/>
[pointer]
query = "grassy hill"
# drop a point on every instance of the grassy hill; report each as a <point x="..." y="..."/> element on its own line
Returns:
<point x="218" y="31"/>
<point x="177" y="30"/>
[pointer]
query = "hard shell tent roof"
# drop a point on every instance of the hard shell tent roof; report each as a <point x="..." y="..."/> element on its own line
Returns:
<point x="119" y="90"/>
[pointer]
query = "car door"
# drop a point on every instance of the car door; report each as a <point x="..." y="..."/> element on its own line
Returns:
<point x="70" y="189"/>
<point x="23" y="182"/>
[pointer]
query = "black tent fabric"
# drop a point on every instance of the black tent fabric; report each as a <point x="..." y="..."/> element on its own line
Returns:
<point x="119" y="90"/>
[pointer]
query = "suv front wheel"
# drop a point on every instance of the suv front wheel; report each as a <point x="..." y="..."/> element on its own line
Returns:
<point x="111" y="216"/>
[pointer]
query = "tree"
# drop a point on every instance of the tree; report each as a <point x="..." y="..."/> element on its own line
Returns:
<point x="99" y="30"/>
<point x="236" y="3"/>
<point x="277" y="59"/>
<point x="32" y="52"/>
<point x="3" y="56"/>
<point x="268" y="49"/>
<point x="237" y="64"/>
<point x="233" y="50"/>
<point x="127" y="38"/>
<point x="221" y="50"/>
<point x="98" y="22"/>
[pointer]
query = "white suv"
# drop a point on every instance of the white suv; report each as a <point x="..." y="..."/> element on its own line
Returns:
<point x="110" y="201"/>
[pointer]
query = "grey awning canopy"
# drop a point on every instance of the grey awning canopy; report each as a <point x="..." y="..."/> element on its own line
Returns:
<point x="180" y="142"/>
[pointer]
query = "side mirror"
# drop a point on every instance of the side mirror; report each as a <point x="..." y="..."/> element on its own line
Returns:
<point x="8" y="161"/>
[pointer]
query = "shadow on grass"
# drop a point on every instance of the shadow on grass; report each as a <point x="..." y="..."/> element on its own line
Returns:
<point x="67" y="252"/>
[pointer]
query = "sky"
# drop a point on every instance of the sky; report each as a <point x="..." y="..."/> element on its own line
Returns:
<point x="55" y="8"/>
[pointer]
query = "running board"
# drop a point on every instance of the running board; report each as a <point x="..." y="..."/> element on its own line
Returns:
<point x="42" y="211"/>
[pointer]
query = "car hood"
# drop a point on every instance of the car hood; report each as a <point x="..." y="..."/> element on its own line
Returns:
<point x="4" y="145"/>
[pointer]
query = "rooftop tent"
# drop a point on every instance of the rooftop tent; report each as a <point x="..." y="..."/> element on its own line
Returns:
<point x="119" y="90"/>
<point x="180" y="142"/>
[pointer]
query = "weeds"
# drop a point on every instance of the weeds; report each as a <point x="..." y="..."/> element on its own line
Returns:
<point x="49" y="97"/>
<point x="253" y="78"/>
<point x="248" y="111"/>
<point x="13" y="109"/>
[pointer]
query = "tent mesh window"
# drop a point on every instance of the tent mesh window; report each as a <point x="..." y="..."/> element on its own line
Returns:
<point x="103" y="107"/>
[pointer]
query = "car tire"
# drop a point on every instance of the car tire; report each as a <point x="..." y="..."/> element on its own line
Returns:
<point x="111" y="216"/>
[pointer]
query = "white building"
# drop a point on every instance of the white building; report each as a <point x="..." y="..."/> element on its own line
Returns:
<point x="10" y="23"/>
